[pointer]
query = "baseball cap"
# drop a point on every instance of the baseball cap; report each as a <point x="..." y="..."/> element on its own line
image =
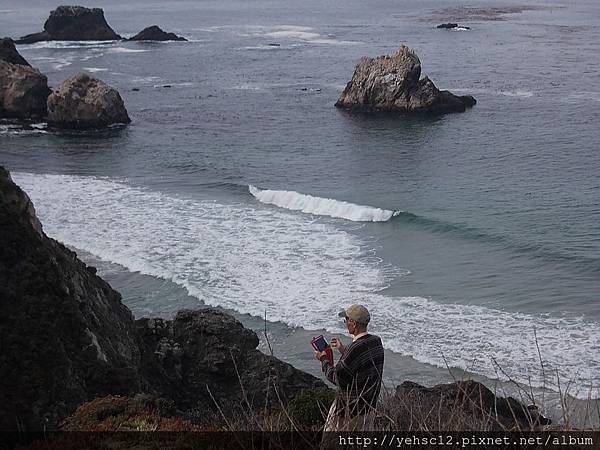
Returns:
<point x="358" y="313"/>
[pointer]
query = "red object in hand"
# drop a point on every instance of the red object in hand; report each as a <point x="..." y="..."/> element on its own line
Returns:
<point x="320" y="344"/>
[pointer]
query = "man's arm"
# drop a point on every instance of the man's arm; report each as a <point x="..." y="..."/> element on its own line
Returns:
<point x="339" y="374"/>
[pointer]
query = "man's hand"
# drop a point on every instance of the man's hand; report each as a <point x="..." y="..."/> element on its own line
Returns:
<point x="336" y="343"/>
<point x="320" y="355"/>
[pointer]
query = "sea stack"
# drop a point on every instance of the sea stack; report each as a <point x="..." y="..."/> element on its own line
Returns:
<point x="155" y="33"/>
<point x="73" y="23"/>
<point x="393" y="84"/>
<point x="82" y="102"/>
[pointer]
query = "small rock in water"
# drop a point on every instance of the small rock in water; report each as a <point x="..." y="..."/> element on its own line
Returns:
<point x="154" y="33"/>
<point x="135" y="89"/>
<point x="451" y="25"/>
<point x="274" y="45"/>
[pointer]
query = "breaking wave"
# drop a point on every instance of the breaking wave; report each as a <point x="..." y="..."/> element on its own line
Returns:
<point x="322" y="206"/>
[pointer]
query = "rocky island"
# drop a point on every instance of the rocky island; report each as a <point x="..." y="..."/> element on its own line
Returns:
<point x="155" y="33"/>
<point x="394" y="84"/>
<point x="73" y="23"/>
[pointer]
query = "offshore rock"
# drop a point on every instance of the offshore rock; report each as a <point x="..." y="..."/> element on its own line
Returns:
<point x="23" y="91"/>
<point x="65" y="336"/>
<point x="82" y="102"/>
<point x="9" y="53"/>
<point x="206" y="356"/>
<point x="393" y="84"/>
<point x="73" y="23"/>
<point x="154" y="33"/>
<point x="451" y="26"/>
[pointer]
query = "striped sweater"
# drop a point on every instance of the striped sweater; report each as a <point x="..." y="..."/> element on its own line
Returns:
<point x="357" y="375"/>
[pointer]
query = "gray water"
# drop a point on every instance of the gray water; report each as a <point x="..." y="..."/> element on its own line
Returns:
<point x="496" y="239"/>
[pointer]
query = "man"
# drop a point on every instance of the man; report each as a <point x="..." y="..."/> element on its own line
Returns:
<point x="357" y="374"/>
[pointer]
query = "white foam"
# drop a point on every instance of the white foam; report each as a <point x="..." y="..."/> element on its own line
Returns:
<point x="70" y="44"/>
<point x="20" y="130"/>
<point x="295" y="32"/>
<point x="321" y="206"/>
<point x="255" y="259"/>
<point x="508" y="93"/>
<point x="95" y="69"/>
<point x="126" y="50"/>
<point x="517" y="93"/>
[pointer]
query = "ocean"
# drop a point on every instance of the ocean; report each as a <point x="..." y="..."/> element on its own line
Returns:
<point x="473" y="238"/>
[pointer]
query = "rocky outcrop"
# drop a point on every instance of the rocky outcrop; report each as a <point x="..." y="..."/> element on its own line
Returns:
<point x="393" y="83"/>
<point x="154" y="33"/>
<point x="82" y="102"/>
<point x="451" y="26"/>
<point x="73" y="23"/>
<point x="65" y="336"/>
<point x="9" y="53"/>
<point x="462" y="405"/>
<point x="23" y="91"/>
<point x="205" y="356"/>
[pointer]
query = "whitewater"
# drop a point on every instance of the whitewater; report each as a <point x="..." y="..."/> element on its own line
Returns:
<point x="296" y="201"/>
<point x="256" y="259"/>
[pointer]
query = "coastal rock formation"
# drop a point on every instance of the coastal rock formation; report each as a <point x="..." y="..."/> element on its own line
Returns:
<point x="451" y="25"/>
<point x="9" y="53"/>
<point x="203" y="355"/>
<point x="23" y="91"/>
<point x="73" y="23"/>
<point x="154" y="33"/>
<point x="392" y="83"/>
<point x="82" y="102"/>
<point x="65" y="336"/>
<point x="462" y="405"/>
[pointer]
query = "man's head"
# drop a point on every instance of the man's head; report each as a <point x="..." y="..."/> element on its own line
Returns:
<point x="357" y="318"/>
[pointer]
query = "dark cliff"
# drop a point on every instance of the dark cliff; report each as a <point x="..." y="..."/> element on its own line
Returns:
<point x="66" y="338"/>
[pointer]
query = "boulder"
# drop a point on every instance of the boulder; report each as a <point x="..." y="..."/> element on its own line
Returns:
<point x="73" y="23"/>
<point x="154" y="33"/>
<point x="393" y="84"/>
<point x="9" y="53"/>
<point x="206" y="356"/>
<point x="462" y="405"/>
<point x="82" y="102"/>
<point x="23" y="91"/>
<point x="65" y="336"/>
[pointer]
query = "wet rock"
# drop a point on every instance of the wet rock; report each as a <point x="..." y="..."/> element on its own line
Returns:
<point x="393" y="84"/>
<point x="82" y="102"/>
<point x="73" y="23"/>
<point x="154" y="33"/>
<point x="9" y="53"/>
<point x="23" y="91"/>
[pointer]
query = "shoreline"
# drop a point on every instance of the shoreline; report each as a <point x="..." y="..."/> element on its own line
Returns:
<point x="291" y="344"/>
